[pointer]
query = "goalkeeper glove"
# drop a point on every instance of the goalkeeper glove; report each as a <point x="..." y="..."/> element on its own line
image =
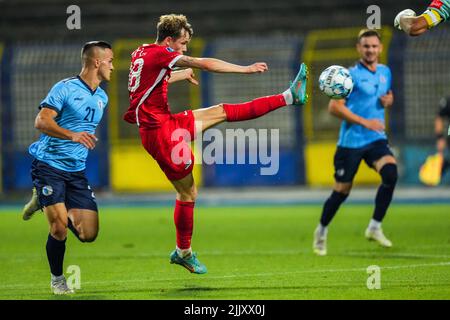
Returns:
<point x="404" y="13"/>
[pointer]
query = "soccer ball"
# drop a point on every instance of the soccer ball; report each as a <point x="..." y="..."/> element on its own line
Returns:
<point x="336" y="82"/>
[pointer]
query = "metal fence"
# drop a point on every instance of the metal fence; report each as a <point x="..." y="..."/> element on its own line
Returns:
<point x="426" y="80"/>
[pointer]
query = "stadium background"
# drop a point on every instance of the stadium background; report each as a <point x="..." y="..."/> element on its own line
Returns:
<point x="37" y="50"/>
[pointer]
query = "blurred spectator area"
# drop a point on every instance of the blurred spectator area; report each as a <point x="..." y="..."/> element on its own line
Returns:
<point x="107" y="19"/>
<point x="37" y="50"/>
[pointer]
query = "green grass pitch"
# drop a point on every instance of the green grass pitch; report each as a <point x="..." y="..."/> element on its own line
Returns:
<point x="250" y="252"/>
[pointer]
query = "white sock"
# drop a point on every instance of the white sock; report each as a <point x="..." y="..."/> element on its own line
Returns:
<point x="184" y="252"/>
<point x="374" y="224"/>
<point x="288" y="97"/>
<point x="322" y="230"/>
<point x="57" y="278"/>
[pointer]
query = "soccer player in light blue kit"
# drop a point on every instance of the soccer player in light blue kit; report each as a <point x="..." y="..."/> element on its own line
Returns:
<point x="67" y="119"/>
<point x="361" y="137"/>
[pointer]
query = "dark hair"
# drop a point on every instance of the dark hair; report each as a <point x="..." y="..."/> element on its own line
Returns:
<point x="91" y="44"/>
<point x="368" y="33"/>
<point x="171" y="25"/>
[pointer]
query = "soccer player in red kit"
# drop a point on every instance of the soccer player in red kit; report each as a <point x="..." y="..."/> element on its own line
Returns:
<point x="150" y="73"/>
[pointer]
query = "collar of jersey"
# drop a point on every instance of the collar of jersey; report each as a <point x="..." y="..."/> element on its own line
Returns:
<point x="87" y="86"/>
<point x="364" y="66"/>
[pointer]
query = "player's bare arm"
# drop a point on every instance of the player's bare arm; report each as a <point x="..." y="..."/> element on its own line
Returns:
<point x="45" y="122"/>
<point x="220" y="66"/>
<point x="387" y="100"/>
<point x="186" y="74"/>
<point x="339" y="109"/>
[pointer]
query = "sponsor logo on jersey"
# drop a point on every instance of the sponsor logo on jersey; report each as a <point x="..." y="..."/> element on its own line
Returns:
<point x="47" y="190"/>
<point x="78" y="99"/>
<point x="436" y="4"/>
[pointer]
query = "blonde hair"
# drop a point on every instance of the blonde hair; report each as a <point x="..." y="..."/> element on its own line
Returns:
<point x="171" y="25"/>
<point x="368" y="33"/>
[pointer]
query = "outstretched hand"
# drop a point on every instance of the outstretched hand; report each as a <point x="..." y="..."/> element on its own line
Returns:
<point x="258" y="67"/>
<point x="190" y="76"/>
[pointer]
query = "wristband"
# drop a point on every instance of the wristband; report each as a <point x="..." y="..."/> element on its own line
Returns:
<point x="432" y="16"/>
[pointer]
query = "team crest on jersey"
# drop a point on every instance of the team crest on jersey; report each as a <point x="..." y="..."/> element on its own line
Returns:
<point x="383" y="79"/>
<point x="436" y="4"/>
<point x="47" y="190"/>
<point x="170" y="49"/>
<point x="100" y="104"/>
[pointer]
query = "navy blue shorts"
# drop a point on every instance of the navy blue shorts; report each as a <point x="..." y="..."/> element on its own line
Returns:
<point x="58" y="186"/>
<point x="347" y="160"/>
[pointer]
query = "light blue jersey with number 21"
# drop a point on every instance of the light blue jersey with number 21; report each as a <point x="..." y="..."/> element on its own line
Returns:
<point x="79" y="109"/>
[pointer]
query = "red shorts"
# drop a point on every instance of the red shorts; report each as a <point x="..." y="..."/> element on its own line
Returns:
<point x="169" y="144"/>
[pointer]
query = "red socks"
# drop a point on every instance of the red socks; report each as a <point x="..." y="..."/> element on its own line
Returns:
<point x="184" y="223"/>
<point x="254" y="108"/>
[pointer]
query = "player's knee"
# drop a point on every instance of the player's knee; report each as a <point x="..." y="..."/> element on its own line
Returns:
<point x="188" y="195"/>
<point x="88" y="237"/>
<point x="58" y="231"/>
<point x="221" y="110"/>
<point x="389" y="174"/>
<point x="343" y="188"/>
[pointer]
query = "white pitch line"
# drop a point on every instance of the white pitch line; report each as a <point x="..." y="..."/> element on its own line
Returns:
<point x="267" y="274"/>
<point x="400" y="254"/>
<point x="385" y="254"/>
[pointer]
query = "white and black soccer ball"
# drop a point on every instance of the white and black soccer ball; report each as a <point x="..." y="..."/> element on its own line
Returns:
<point x="336" y="82"/>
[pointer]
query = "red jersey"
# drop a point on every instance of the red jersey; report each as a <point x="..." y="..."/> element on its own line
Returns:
<point x="150" y="69"/>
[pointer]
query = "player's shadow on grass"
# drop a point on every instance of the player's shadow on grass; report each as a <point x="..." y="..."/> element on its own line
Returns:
<point x="198" y="292"/>
<point x="195" y="289"/>
<point x="154" y="291"/>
